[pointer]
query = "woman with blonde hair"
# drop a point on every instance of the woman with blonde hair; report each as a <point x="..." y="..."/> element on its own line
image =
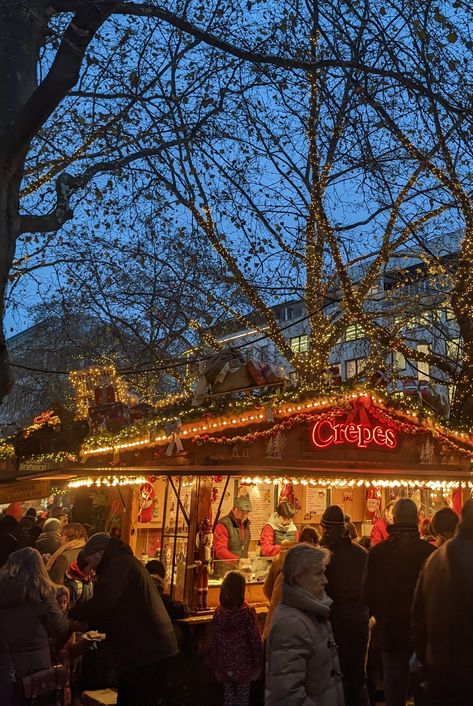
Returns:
<point x="73" y="539"/>
<point x="29" y="617"/>
<point x="302" y="664"/>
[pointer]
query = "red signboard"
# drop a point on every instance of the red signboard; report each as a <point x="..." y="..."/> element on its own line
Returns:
<point x="328" y="432"/>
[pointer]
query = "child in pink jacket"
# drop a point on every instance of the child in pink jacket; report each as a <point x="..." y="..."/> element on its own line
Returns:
<point x="237" y="642"/>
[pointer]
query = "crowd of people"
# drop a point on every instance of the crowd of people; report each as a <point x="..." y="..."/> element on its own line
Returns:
<point x="343" y="619"/>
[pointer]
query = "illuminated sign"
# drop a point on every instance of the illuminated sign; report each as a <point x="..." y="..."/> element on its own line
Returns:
<point x="327" y="432"/>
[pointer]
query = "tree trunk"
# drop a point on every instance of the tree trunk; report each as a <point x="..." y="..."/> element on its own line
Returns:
<point x="22" y="33"/>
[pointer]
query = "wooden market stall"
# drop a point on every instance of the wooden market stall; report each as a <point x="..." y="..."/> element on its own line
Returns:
<point x="355" y="449"/>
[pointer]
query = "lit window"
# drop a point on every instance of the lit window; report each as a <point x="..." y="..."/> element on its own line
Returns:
<point x="353" y="332"/>
<point x="374" y="289"/>
<point x="399" y="362"/>
<point x="453" y="349"/>
<point x="354" y="367"/>
<point x="423" y="368"/>
<point x="449" y="315"/>
<point x="299" y="344"/>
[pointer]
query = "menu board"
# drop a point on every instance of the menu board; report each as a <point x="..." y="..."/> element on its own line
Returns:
<point x="315" y="500"/>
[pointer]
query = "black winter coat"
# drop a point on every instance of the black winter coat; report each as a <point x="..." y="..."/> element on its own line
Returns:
<point x="12" y="538"/>
<point x="393" y="569"/>
<point x="25" y="629"/>
<point x="126" y="605"/>
<point x="443" y="618"/>
<point x="349" y="613"/>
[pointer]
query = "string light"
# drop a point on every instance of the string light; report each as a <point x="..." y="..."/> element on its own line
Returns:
<point x="360" y="482"/>
<point x="109" y="481"/>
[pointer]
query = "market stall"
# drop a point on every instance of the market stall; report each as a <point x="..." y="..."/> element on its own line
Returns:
<point x="354" y="449"/>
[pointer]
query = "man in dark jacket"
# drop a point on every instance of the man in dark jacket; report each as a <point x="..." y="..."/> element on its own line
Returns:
<point x="126" y="605"/>
<point x="443" y="617"/>
<point x="349" y="613"/>
<point x="12" y="536"/>
<point x="393" y="569"/>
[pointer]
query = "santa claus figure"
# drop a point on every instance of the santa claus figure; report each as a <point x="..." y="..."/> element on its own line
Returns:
<point x="204" y="547"/>
<point x="147" y="500"/>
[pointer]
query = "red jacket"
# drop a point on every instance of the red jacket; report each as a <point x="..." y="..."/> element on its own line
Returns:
<point x="379" y="532"/>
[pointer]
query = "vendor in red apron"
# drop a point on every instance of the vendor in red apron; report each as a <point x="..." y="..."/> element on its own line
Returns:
<point x="232" y="532"/>
<point x="279" y="528"/>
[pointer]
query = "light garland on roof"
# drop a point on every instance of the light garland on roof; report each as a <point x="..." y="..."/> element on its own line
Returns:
<point x="108" y="481"/>
<point x="350" y="482"/>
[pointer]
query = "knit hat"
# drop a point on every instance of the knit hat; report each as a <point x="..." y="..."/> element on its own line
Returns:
<point x="243" y="503"/>
<point x="333" y="517"/>
<point x="96" y="543"/>
<point x="405" y="512"/>
<point x="444" y="521"/>
<point x="14" y="510"/>
<point x="52" y="525"/>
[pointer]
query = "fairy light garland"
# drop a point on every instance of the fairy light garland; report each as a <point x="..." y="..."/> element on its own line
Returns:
<point x="108" y="481"/>
<point x="350" y="482"/>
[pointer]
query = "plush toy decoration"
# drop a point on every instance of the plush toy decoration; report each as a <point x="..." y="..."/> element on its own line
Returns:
<point x="147" y="500"/>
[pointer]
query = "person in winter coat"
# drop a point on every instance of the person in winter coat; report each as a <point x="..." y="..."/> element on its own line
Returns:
<point x="50" y="538"/>
<point x="176" y="609"/>
<point x="302" y="667"/>
<point x="443" y="525"/>
<point x="349" y="613"/>
<point x="442" y="617"/>
<point x="279" y="528"/>
<point x="393" y="569"/>
<point x="379" y="531"/>
<point x="73" y="539"/>
<point x="29" y="617"/>
<point x="272" y="588"/>
<point x="126" y="605"/>
<point x="12" y="537"/>
<point x="237" y="643"/>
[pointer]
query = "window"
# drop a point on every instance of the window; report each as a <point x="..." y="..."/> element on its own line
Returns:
<point x="353" y="332"/>
<point x="374" y="289"/>
<point x="449" y="315"/>
<point x="423" y="367"/>
<point x="354" y="367"/>
<point x="399" y="362"/>
<point x="453" y="349"/>
<point x="299" y="344"/>
<point x="263" y="352"/>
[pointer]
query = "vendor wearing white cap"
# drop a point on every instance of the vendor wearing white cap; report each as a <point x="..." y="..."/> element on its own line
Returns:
<point x="232" y="532"/>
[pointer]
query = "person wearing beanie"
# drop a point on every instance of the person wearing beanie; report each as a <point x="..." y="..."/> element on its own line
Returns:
<point x="280" y="527"/>
<point x="349" y="613"/>
<point x="128" y="608"/>
<point x="50" y="538"/>
<point x="393" y="569"/>
<point x="14" y="510"/>
<point x="443" y="525"/>
<point x="176" y="609"/>
<point x="442" y="613"/>
<point x="232" y="532"/>
<point x="302" y="665"/>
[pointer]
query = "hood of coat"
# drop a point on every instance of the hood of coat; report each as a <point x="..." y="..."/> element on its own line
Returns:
<point x="298" y="597"/>
<point x="275" y="523"/>
<point x="231" y="620"/>
<point x="114" y="548"/>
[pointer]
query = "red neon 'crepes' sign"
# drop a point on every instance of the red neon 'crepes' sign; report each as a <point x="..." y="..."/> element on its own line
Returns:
<point x="327" y="432"/>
